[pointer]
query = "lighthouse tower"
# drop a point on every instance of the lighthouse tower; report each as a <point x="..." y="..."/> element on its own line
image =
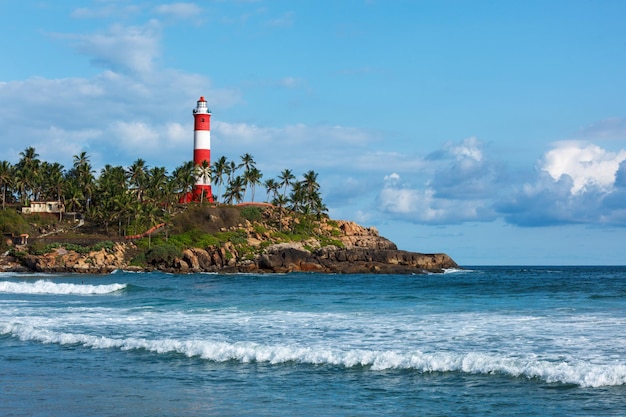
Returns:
<point x="202" y="150"/>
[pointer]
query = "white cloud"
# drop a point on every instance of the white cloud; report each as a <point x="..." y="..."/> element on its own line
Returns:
<point x="469" y="148"/>
<point x="179" y="10"/>
<point x="588" y="165"/>
<point x="576" y="183"/>
<point x="121" y="48"/>
<point x="423" y="206"/>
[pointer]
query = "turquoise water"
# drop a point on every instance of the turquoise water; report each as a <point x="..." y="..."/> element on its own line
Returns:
<point x="500" y="341"/>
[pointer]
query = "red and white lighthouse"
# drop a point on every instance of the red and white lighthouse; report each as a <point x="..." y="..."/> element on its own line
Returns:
<point x="202" y="150"/>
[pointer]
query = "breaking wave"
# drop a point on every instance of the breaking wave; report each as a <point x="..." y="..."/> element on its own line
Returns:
<point x="48" y="287"/>
<point x="579" y="373"/>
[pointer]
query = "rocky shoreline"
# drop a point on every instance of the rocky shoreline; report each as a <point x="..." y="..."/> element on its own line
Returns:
<point x="362" y="251"/>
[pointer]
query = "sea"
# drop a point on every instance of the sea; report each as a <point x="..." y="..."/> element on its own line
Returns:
<point x="479" y="341"/>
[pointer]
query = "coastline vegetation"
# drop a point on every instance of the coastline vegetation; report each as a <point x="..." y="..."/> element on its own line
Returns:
<point x="123" y="201"/>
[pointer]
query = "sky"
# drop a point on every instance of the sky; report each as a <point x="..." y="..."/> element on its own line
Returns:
<point x="493" y="131"/>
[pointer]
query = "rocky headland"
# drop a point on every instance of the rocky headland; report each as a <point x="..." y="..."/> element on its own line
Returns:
<point x="330" y="247"/>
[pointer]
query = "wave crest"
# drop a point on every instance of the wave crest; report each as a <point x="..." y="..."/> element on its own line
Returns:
<point x="49" y="287"/>
<point x="580" y="373"/>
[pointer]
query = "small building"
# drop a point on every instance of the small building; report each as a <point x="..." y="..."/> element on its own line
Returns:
<point x="51" y="207"/>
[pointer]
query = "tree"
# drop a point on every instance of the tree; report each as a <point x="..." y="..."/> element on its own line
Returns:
<point x="252" y="177"/>
<point x="247" y="162"/>
<point x="235" y="191"/>
<point x="218" y="171"/>
<point x="73" y="196"/>
<point x="203" y="173"/>
<point x="6" y="176"/>
<point x="271" y="187"/>
<point x="286" y="177"/>
<point x="84" y="176"/>
<point x="28" y="172"/>
<point x="183" y="179"/>
<point x="156" y="181"/>
<point x="136" y="175"/>
<point x="53" y="182"/>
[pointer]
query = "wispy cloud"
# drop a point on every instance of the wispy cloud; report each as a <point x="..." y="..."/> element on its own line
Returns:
<point x="131" y="49"/>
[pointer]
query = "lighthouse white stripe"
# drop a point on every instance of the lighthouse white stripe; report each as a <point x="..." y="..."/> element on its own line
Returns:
<point x="202" y="139"/>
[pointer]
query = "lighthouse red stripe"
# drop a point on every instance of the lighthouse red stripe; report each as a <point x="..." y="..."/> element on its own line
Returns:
<point x="202" y="122"/>
<point x="200" y="155"/>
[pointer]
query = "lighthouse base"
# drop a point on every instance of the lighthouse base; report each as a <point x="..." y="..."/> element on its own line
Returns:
<point x="199" y="194"/>
<point x="202" y="193"/>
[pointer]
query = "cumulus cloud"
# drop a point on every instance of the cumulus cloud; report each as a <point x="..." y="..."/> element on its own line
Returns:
<point x="576" y="182"/>
<point x="452" y="185"/>
<point x="422" y="205"/>
<point x="463" y="171"/>
<point x="588" y="165"/>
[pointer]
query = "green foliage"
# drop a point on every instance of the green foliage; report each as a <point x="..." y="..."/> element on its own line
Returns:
<point x="236" y="237"/>
<point x="260" y="229"/>
<point x="251" y="213"/>
<point x="11" y="222"/>
<point x="162" y="254"/>
<point x="194" y="238"/>
<point x="139" y="260"/>
<point x="106" y="245"/>
<point x="326" y="241"/>
<point x="38" y="248"/>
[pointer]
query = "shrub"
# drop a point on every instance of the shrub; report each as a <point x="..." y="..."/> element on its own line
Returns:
<point x="139" y="260"/>
<point x="38" y="248"/>
<point x="163" y="254"/>
<point x="251" y="213"/>
<point x="11" y="222"/>
<point x="106" y="245"/>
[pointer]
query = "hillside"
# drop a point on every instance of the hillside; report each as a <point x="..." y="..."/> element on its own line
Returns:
<point x="224" y="238"/>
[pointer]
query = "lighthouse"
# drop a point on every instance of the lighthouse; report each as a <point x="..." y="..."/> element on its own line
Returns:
<point x="202" y="151"/>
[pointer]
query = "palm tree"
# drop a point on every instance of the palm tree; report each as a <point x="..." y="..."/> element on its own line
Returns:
<point x="311" y="188"/>
<point x="6" y="176"/>
<point x="203" y="174"/>
<point x="271" y="187"/>
<point x="22" y="183"/>
<point x="84" y="176"/>
<point x="247" y="162"/>
<point x="252" y="177"/>
<point x="286" y="177"/>
<point x="231" y="169"/>
<point x="54" y="181"/>
<point x="73" y="196"/>
<point x="183" y="177"/>
<point x="28" y="172"/>
<point x="280" y="201"/>
<point x="156" y="181"/>
<point x="296" y="198"/>
<point x="136" y="175"/>
<point x="218" y="171"/>
<point x="235" y="191"/>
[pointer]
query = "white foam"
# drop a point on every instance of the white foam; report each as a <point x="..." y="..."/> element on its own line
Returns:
<point x="582" y="373"/>
<point x="48" y="287"/>
<point x="456" y="270"/>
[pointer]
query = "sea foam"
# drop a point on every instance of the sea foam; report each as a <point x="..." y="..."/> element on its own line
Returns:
<point x="48" y="287"/>
<point x="581" y="373"/>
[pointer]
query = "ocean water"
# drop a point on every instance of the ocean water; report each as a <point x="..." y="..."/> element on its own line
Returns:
<point x="488" y="341"/>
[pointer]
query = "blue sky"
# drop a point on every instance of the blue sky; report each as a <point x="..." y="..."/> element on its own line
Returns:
<point x="492" y="131"/>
